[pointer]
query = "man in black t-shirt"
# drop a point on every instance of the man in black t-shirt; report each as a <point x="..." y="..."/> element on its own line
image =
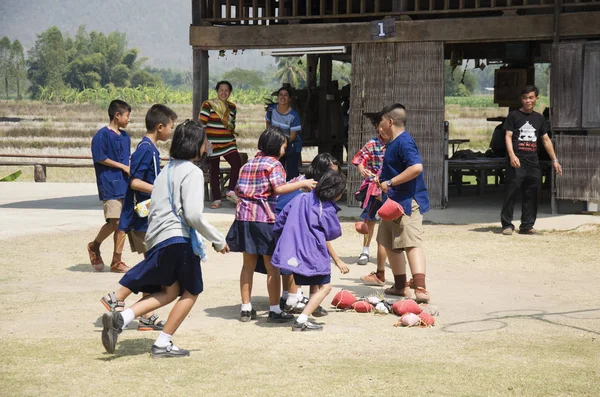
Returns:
<point x="523" y="128"/>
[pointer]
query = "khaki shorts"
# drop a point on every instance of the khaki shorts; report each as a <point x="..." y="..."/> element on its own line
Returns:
<point x="137" y="241"/>
<point x="402" y="233"/>
<point x="112" y="208"/>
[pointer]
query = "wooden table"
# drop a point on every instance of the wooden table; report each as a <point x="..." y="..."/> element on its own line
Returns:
<point x="457" y="142"/>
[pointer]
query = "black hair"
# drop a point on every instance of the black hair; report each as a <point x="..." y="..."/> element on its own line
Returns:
<point x="159" y="114"/>
<point x="530" y="88"/>
<point x="188" y="139"/>
<point x="288" y="89"/>
<point x="320" y="165"/>
<point x="227" y="83"/>
<point x="331" y="185"/>
<point x="271" y="140"/>
<point x="117" y="106"/>
<point x="376" y="117"/>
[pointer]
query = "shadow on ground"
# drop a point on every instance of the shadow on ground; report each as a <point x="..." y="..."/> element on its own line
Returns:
<point x="90" y="202"/>
<point x="501" y="319"/>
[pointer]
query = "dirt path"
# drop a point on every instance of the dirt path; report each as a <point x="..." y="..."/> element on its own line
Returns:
<point x="519" y="316"/>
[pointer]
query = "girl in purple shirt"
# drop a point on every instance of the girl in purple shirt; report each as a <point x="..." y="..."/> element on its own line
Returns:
<point x="304" y="227"/>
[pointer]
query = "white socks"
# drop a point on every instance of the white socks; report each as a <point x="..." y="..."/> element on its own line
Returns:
<point x="365" y="251"/>
<point x="128" y="317"/>
<point x="163" y="340"/>
<point x="246" y="307"/>
<point x="275" y="308"/>
<point x="302" y="319"/>
<point x="293" y="299"/>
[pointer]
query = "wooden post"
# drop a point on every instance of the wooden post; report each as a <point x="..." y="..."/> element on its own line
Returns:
<point x="200" y="71"/>
<point x="311" y="71"/>
<point x="325" y="69"/>
<point x="39" y="173"/>
<point x="399" y="6"/>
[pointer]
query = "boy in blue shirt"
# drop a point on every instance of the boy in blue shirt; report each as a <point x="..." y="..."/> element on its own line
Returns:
<point x="111" y="147"/>
<point x="144" y="168"/>
<point x="402" y="180"/>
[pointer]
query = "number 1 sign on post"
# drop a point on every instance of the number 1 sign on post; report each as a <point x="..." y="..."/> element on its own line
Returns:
<point x="383" y="29"/>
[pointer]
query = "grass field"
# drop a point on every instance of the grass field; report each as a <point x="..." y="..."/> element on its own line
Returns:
<point x="67" y="129"/>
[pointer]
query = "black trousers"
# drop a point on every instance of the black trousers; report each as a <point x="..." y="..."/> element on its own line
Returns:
<point x="528" y="179"/>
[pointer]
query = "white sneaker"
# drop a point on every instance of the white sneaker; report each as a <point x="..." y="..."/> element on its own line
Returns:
<point x="363" y="259"/>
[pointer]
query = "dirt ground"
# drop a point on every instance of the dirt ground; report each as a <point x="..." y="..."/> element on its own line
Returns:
<point x="519" y="316"/>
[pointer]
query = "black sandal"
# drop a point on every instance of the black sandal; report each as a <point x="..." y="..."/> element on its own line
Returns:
<point x="150" y="324"/>
<point x="112" y="304"/>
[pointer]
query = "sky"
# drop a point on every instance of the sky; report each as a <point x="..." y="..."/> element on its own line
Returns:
<point x="159" y="28"/>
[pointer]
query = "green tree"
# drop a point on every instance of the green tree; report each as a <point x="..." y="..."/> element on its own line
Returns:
<point x="454" y="79"/>
<point x="19" y="71"/>
<point x="342" y="72"/>
<point x="47" y="62"/>
<point x="143" y="78"/>
<point x="5" y="63"/>
<point x="542" y="77"/>
<point x="244" y="79"/>
<point x="290" y="70"/>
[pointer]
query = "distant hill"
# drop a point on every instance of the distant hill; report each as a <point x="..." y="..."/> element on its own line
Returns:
<point x="160" y="29"/>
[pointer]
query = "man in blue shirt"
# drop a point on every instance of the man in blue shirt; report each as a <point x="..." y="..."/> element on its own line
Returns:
<point x="402" y="180"/>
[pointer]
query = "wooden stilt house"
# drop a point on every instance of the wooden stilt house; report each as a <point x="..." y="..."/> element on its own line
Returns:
<point x="397" y="49"/>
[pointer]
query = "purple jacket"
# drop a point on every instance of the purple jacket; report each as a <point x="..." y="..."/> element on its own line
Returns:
<point x="303" y="227"/>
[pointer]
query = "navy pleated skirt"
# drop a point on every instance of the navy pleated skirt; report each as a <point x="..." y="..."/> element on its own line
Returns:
<point x="170" y="261"/>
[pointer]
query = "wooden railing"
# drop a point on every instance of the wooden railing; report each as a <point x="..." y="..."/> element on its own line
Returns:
<point x="266" y="12"/>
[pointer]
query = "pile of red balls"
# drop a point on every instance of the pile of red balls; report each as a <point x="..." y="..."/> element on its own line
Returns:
<point x="411" y="314"/>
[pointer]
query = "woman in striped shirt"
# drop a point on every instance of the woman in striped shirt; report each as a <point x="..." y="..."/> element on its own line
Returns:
<point x="218" y="117"/>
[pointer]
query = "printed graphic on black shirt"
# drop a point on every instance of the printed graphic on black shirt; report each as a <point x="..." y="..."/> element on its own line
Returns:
<point x="526" y="129"/>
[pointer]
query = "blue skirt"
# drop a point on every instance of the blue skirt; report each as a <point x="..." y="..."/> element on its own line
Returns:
<point x="255" y="238"/>
<point x="171" y="261"/>
<point x="370" y="211"/>
<point x="320" y="279"/>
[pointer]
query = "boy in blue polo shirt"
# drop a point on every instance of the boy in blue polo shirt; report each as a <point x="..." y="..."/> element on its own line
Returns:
<point x="111" y="147"/>
<point x="402" y="180"/>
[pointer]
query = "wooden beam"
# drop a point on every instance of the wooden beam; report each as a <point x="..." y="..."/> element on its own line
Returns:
<point x="200" y="72"/>
<point x="459" y="30"/>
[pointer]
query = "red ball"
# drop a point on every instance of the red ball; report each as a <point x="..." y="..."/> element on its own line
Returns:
<point x="406" y="306"/>
<point x="361" y="227"/>
<point x="427" y="319"/>
<point x="362" y="307"/>
<point x="390" y="210"/>
<point x="343" y="300"/>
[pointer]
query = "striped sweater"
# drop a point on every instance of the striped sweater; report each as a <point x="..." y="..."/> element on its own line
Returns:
<point x="221" y="139"/>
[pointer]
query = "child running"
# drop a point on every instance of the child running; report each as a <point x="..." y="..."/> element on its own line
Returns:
<point x="261" y="180"/>
<point x="111" y="147"/>
<point x="144" y="168"/>
<point x="305" y="226"/>
<point x="172" y="263"/>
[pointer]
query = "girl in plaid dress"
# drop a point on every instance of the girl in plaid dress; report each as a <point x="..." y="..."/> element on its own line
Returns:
<point x="261" y="180"/>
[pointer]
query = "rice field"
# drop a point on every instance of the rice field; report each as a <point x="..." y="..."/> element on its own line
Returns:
<point x="47" y="128"/>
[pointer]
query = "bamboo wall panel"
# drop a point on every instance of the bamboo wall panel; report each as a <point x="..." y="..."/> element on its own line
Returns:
<point x="567" y="85"/>
<point x="591" y="85"/>
<point x="411" y="74"/>
<point x="580" y="159"/>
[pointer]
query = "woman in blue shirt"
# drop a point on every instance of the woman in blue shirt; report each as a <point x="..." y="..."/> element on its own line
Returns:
<point x="282" y="115"/>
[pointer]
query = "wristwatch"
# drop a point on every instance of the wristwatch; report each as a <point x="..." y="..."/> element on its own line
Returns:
<point x="389" y="183"/>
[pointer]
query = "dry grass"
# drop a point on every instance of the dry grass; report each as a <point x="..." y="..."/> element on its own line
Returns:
<point x="50" y="128"/>
<point x="534" y="333"/>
